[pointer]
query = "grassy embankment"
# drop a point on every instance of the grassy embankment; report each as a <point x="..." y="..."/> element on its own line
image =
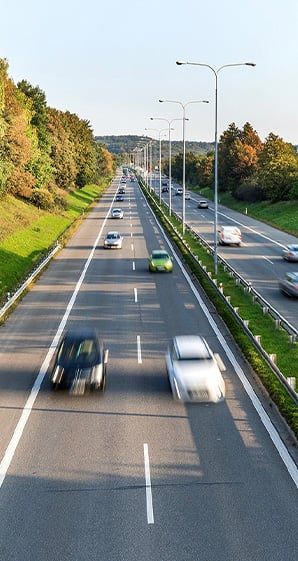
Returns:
<point x="27" y="233"/>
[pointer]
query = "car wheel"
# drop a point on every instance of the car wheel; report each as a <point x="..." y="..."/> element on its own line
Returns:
<point x="54" y="386"/>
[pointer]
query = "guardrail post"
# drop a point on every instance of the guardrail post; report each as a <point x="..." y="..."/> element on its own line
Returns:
<point x="273" y="358"/>
<point x="292" y="382"/>
<point x="258" y="338"/>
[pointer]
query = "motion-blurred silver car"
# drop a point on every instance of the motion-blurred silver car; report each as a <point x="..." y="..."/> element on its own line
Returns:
<point x="117" y="213"/>
<point x="113" y="240"/>
<point x="193" y="371"/>
<point x="290" y="253"/>
<point x="289" y="284"/>
<point x="203" y="204"/>
<point x="229" y="235"/>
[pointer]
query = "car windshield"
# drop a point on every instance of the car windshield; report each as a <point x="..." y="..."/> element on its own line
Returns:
<point x="83" y="351"/>
<point x="160" y="256"/>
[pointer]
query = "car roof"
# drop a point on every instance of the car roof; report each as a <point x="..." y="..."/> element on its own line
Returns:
<point x="78" y="334"/>
<point x="191" y="347"/>
<point x="159" y="252"/>
<point x="230" y="228"/>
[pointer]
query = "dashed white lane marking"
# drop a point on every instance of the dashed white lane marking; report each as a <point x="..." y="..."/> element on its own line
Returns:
<point x="149" y="504"/>
<point x="139" y="349"/>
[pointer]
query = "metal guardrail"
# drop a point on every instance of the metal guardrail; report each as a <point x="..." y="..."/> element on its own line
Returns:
<point x="267" y="308"/>
<point x="12" y="299"/>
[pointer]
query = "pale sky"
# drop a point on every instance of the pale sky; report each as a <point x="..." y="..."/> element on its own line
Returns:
<point x="110" y="62"/>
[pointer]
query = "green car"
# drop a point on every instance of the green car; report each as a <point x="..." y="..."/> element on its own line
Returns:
<point x="160" y="260"/>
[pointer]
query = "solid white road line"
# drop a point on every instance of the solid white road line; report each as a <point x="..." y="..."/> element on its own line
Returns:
<point x="149" y="505"/>
<point x="133" y="266"/>
<point x="136" y="294"/>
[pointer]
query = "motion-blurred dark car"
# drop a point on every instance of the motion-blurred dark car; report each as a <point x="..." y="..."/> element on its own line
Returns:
<point x="119" y="198"/>
<point x="80" y="362"/>
<point x="289" y="284"/>
<point x="290" y="253"/>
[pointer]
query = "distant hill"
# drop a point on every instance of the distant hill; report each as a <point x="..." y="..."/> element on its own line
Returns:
<point x="126" y="144"/>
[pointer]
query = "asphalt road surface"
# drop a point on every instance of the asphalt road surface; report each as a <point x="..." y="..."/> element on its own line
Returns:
<point x="131" y="475"/>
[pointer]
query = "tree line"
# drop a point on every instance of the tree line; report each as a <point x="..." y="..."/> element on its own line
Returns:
<point x="44" y="152"/>
<point x="249" y="169"/>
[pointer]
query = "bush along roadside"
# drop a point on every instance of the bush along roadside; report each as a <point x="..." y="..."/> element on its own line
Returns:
<point x="273" y="340"/>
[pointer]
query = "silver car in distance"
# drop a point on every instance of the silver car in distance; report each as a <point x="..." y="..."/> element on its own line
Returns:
<point x="193" y="372"/>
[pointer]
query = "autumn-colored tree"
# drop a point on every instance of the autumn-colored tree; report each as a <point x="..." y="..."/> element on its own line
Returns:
<point x="237" y="156"/>
<point x="16" y="145"/>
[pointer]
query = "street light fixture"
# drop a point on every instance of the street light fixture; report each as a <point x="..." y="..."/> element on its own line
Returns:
<point x="216" y="72"/>
<point x="183" y="105"/>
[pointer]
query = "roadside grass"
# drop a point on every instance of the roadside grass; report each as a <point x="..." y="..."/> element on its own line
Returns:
<point x="274" y="341"/>
<point x="27" y="233"/>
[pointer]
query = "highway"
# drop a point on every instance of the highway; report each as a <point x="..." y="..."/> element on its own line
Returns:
<point x="131" y="475"/>
<point x="258" y="259"/>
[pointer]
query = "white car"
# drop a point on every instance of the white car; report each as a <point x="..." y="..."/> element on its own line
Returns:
<point x="229" y="235"/>
<point x="113" y="240"/>
<point x="290" y="253"/>
<point x="193" y="371"/>
<point x="179" y="191"/>
<point x="117" y="213"/>
<point x="187" y="195"/>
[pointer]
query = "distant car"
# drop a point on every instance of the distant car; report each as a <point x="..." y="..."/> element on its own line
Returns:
<point x="193" y="372"/>
<point x="123" y="180"/>
<point x="113" y="240"/>
<point x="121" y="190"/>
<point x="187" y="195"/>
<point x="290" y="253"/>
<point x="165" y="189"/>
<point x="132" y="178"/>
<point x="289" y="284"/>
<point x="229" y="235"/>
<point x="119" y="198"/>
<point x="164" y="183"/>
<point x="179" y="191"/>
<point x="80" y="362"/>
<point x="117" y="213"/>
<point x="160" y="260"/>
<point x="203" y="204"/>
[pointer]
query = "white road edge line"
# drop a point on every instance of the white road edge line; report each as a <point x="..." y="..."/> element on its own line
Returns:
<point x="149" y="505"/>
<point x="273" y="433"/>
<point x="139" y="349"/>
<point x="136" y="294"/>
<point x="12" y="446"/>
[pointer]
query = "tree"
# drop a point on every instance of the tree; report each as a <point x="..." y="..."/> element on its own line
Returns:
<point x="238" y="156"/>
<point x="278" y="169"/>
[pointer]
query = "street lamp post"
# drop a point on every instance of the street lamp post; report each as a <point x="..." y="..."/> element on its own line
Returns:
<point x="170" y="156"/>
<point x="183" y="105"/>
<point x="216" y="72"/>
<point x="159" y="133"/>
